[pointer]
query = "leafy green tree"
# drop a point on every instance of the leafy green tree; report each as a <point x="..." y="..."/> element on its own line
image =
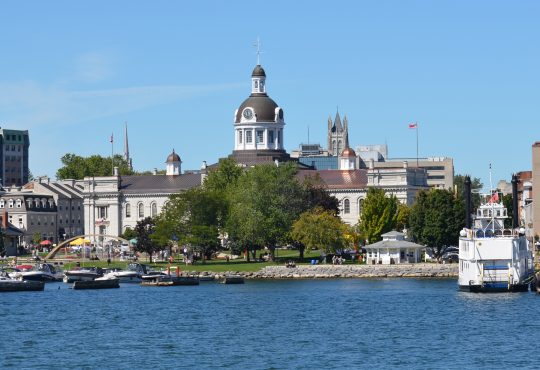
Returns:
<point x="195" y="217"/>
<point x="507" y="202"/>
<point x="379" y="214"/>
<point x="223" y="176"/>
<point x="77" y="167"/>
<point x="129" y="234"/>
<point x="144" y="229"/>
<point x="264" y="203"/>
<point x="402" y="220"/>
<point x="320" y="229"/>
<point x="36" y="238"/>
<point x="476" y="186"/>
<point x="436" y="219"/>
<point x="318" y="197"/>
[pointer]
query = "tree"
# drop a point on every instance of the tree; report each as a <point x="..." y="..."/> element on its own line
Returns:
<point x="379" y="214"/>
<point x="36" y="238"/>
<point x="129" y="234"/>
<point x="77" y="167"/>
<point x="195" y="217"/>
<point x="320" y="229"/>
<point x="402" y="219"/>
<point x="508" y="204"/>
<point x="476" y="186"/>
<point x="144" y="229"/>
<point x="436" y="219"/>
<point x="318" y="197"/>
<point x="224" y="176"/>
<point x="264" y="203"/>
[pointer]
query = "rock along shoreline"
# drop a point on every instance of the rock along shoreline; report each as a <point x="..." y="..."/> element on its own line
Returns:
<point x="420" y="270"/>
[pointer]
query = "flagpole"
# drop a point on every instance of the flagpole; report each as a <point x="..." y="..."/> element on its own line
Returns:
<point x="112" y="155"/>
<point x="417" y="166"/>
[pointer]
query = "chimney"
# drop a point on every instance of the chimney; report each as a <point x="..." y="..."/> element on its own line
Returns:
<point x="515" y="219"/>
<point x="115" y="171"/>
<point x="405" y="164"/>
<point x="371" y="164"/>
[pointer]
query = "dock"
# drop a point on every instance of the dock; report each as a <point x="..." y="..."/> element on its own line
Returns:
<point x="96" y="284"/>
<point x="21" y="286"/>
<point x="232" y="279"/>
<point x="166" y="280"/>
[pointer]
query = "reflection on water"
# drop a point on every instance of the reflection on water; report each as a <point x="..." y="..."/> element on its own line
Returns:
<point x="306" y="324"/>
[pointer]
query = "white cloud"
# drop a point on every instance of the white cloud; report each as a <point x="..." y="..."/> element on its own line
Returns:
<point x="29" y="104"/>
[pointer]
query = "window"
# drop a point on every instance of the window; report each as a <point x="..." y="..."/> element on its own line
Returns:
<point x="260" y="136"/>
<point x="153" y="210"/>
<point x="102" y="212"/>
<point x="19" y="203"/>
<point x="270" y="137"/>
<point x="2" y="203"/>
<point x="128" y="210"/>
<point x="346" y="206"/>
<point x="279" y="137"/>
<point x="249" y="137"/>
<point x="10" y="203"/>
<point x="141" y="210"/>
<point x="239" y="136"/>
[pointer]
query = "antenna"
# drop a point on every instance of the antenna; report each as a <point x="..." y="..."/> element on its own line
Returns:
<point x="308" y="134"/>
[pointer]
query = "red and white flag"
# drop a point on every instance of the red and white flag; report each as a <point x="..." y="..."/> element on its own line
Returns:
<point x="111" y="138"/>
<point x="413" y="125"/>
<point x="494" y="198"/>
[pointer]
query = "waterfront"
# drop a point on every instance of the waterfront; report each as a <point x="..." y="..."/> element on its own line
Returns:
<point x="296" y="324"/>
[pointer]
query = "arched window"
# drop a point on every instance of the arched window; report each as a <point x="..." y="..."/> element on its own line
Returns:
<point x="141" y="210"/>
<point x="2" y="203"/>
<point x="19" y="203"/>
<point x="339" y="147"/>
<point x="334" y="147"/>
<point x="346" y="206"/>
<point x="153" y="210"/>
<point x="10" y="203"/>
<point x="360" y="205"/>
<point x="128" y="210"/>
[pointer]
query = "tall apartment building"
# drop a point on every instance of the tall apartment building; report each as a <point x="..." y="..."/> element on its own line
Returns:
<point x="14" y="146"/>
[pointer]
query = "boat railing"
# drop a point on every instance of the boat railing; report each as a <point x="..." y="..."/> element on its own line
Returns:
<point x="497" y="233"/>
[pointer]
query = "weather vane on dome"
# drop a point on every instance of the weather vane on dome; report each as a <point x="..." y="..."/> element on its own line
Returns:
<point x="259" y="52"/>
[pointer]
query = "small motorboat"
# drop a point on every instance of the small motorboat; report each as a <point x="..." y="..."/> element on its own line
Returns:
<point x="9" y="284"/>
<point x="82" y="274"/>
<point x="45" y="272"/>
<point x="133" y="274"/>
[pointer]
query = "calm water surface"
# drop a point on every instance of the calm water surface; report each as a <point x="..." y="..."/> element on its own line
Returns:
<point x="307" y="324"/>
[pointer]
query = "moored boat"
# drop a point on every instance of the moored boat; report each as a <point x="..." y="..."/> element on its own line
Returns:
<point x="82" y="274"/>
<point x="45" y="272"/>
<point x="493" y="258"/>
<point x="232" y="279"/>
<point x="98" y="283"/>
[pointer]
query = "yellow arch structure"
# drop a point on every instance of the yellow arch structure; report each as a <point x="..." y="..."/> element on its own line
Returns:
<point x="55" y="250"/>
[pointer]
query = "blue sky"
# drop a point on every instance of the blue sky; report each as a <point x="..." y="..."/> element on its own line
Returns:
<point x="467" y="71"/>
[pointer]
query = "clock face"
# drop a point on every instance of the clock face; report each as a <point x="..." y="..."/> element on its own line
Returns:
<point x="248" y="114"/>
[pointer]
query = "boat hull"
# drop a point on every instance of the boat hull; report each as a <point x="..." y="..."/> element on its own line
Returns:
<point x="96" y="284"/>
<point x="21" y="286"/>
<point x="494" y="288"/>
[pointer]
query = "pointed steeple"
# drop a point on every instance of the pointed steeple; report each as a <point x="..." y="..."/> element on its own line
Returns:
<point x="126" y="148"/>
<point x="337" y="122"/>
<point x="346" y="131"/>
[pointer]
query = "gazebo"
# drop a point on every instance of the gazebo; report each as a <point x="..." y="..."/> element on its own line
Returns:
<point x="393" y="249"/>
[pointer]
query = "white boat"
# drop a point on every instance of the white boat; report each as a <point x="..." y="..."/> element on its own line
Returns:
<point x="46" y="272"/>
<point x="133" y="274"/>
<point x="82" y="274"/>
<point x="493" y="258"/>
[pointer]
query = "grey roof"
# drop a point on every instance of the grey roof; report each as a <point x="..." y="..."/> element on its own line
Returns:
<point x="393" y="233"/>
<point x="393" y="244"/>
<point x="263" y="106"/>
<point x="159" y="183"/>
<point x="258" y="71"/>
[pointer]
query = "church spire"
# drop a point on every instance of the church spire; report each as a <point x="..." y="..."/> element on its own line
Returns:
<point x="126" y="148"/>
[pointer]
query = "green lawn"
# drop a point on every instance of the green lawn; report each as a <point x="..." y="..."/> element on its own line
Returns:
<point x="282" y="256"/>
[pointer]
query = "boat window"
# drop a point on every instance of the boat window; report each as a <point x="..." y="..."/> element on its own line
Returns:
<point x="479" y="234"/>
<point x="489" y="233"/>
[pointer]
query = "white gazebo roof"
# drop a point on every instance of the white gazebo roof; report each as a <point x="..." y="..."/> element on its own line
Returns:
<point x="392" y="244"/>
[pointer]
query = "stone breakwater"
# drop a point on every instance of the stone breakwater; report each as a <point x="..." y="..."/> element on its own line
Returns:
<point x="420" y="270"/>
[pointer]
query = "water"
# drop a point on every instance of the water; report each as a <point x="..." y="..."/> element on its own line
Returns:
<point x="306" y="324"/>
